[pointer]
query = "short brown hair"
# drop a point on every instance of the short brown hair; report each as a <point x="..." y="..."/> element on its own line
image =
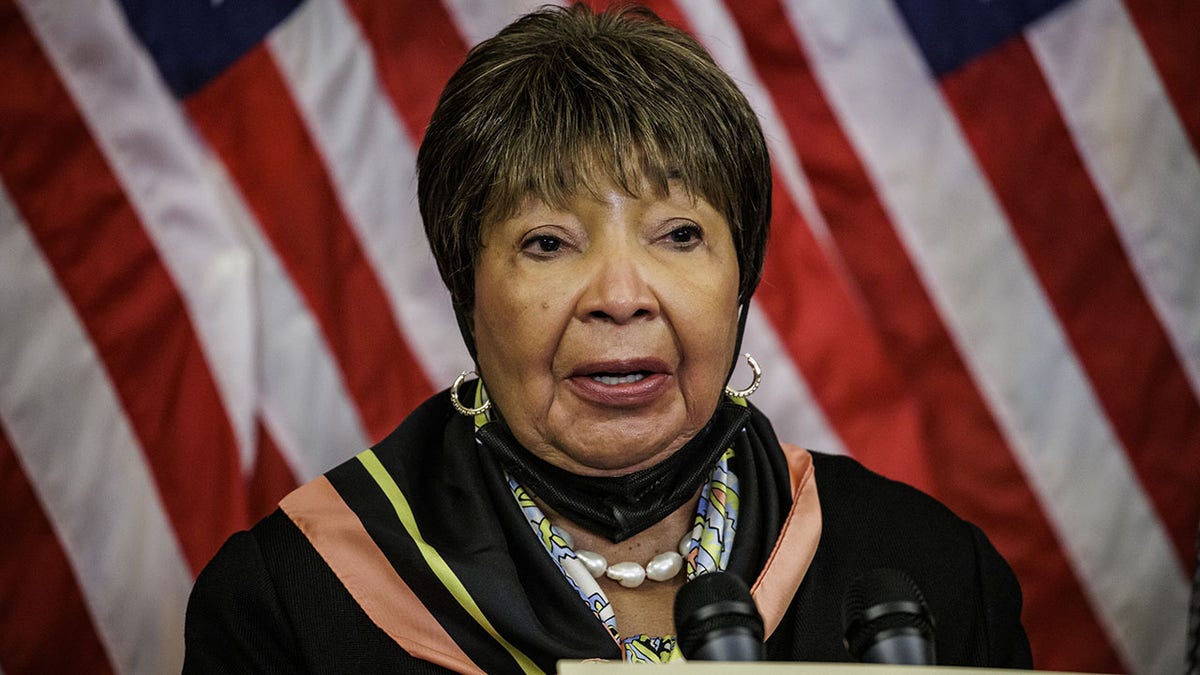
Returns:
<point x="563" y="96"/>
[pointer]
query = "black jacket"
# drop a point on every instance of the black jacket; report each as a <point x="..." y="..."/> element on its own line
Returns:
<point x="269" y="602"/>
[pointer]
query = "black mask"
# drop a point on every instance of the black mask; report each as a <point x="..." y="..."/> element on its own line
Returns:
<point x="619" y="507"/>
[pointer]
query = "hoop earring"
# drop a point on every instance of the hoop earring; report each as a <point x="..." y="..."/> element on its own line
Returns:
<point x="745" y="393"/>
<point x="458" y="406"/>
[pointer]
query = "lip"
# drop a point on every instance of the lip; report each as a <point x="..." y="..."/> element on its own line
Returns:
<point x="624" y="395"/>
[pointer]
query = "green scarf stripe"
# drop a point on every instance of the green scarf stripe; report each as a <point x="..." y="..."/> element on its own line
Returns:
<point x="432" y="558"/>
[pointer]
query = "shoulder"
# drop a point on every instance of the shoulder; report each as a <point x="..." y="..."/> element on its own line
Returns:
<point x="870" y="521"/>
<point x="861" y="499"/>
<point x="267" y="602"/>
<point x="242" y="577"/>
<point x="234" y="615"/>
<point x="241" y="563"/>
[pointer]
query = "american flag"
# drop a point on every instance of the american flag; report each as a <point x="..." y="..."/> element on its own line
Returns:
<point x="983" y="279"/>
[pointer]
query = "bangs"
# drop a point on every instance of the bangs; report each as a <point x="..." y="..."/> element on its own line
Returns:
<point x="583" y="112"/>
<point x="576" y="153"/>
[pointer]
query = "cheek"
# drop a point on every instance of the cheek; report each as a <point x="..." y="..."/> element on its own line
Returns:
<point x="503" y="330"/>
<point x="516" y="332"/>
<point x="707" y="331"/>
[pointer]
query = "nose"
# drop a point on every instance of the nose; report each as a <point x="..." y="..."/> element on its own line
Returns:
<point x="618" y="289"/>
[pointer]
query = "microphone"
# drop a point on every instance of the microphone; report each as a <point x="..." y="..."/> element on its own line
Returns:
<point x="886" y="620"/>
<point x="717" y="620"/>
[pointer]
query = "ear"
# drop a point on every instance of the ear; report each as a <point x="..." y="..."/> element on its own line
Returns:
<point x="743" y="312"/>
<point x="466" y="326"/>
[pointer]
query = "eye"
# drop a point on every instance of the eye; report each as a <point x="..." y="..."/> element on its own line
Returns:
<point x="542" y="245"/>
<point x="686" y="237"/>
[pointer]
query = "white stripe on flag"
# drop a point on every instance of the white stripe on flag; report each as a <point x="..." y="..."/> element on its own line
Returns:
<point x="297" y="373"/>
<point x="83" y="460"/>
<point x="372" y="165"/>
<point x="1005" y="329"/>
<point x="138" y="126"/>
<point x="478" y="20"/>
<point x="1136" y="151"/>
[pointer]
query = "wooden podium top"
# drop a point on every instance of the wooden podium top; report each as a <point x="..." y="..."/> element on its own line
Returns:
<point x="766" y="668"/>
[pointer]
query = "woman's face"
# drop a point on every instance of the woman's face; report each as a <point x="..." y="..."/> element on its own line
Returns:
<point x="605" y="330"/>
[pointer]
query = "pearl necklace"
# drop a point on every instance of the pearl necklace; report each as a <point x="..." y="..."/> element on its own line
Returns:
<point x="661" y="567"/>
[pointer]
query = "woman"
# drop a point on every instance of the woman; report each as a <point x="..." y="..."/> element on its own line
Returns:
<point x="597" y="194"/>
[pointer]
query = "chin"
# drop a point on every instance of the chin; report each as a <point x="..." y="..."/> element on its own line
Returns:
<point x="621" y="455"/>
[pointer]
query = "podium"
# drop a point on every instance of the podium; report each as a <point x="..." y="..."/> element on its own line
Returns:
<point x="770" y="668"/>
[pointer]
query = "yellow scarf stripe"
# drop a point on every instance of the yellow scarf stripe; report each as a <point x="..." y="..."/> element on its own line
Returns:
<point x="434" y="559"/>
<point x="480" y="394"/>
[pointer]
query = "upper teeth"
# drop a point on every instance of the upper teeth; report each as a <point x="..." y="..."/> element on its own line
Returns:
<point x="618" y="379"/>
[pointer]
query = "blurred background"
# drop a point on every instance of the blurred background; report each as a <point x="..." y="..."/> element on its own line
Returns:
<point x="983" y="279"/>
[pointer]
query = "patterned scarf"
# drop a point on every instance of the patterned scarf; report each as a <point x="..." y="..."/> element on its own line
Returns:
<point x="708" y="551"/>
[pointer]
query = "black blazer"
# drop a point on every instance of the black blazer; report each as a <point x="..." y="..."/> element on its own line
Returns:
<point x="269" y="603"/>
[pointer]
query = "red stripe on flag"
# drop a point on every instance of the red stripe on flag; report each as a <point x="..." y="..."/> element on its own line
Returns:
<point x="248" y="115"/>
<point x="417" y="47"/>
<point x="955" y="416"/>
<point x="1006" y="108"/>
<point x="272" y="478"/>
<point x="76" y="210"/>
<point x="1171" y="31"/>
<point x="39" y="595"/>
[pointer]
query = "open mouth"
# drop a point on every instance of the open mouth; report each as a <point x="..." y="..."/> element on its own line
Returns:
<point x="614" y="378"/>
<point x="621" y="382"/>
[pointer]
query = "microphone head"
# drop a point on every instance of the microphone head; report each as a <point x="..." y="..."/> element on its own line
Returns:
<point x="711" y="605"/>
<point x="883" y="604"/>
